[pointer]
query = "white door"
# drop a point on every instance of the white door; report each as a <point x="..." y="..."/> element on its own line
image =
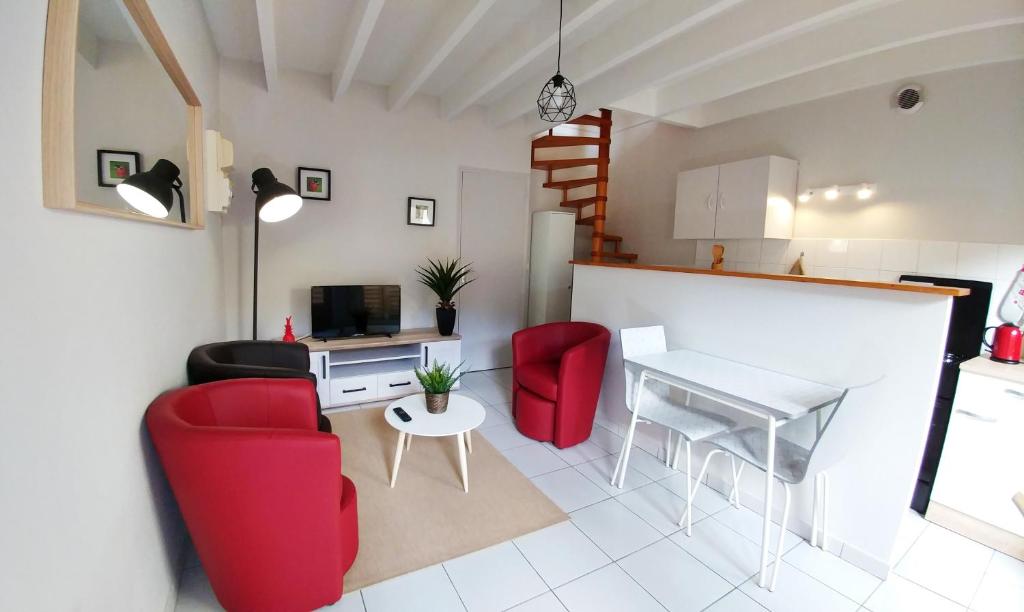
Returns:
<point x="696" y="194"/>
<point x="742" y="198"/>
<point x="492" y="237"/>
<point x="551" y="247"/>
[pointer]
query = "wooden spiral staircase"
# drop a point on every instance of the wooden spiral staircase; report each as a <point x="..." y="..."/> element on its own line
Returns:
<point x="599" y="200"/>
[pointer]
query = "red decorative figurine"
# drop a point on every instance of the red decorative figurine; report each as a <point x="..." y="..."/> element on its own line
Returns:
<point x="288" y="335"/>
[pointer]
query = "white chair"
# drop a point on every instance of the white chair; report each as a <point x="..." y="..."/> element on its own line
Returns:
<point x="795" y="444"/>
<point x="650" y="400"/>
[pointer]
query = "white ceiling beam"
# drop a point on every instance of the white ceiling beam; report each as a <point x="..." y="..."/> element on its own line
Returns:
<point x="356" y="37"/>
<point x="268" y="44"/>
<point x="452" y="26"/>
<point x="908" y="62"/>
<point x="635" y="34"/>
<point x="905" y="23"/>
<point x="534" y="38"/>
<point x="748" y="28"/>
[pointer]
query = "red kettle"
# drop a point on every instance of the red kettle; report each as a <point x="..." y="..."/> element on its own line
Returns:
<point x="1006" y="343"/>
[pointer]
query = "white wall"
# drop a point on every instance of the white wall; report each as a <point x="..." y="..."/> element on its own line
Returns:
<point x="377" y="159"/>
<point x="950" y="172"/>
<point x="99" y="316"/>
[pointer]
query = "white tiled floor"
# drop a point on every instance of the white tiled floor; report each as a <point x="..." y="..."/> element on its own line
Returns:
<point x="622" y="551"/>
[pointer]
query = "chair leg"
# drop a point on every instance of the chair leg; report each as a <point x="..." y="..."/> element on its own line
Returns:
<point x="826" y="492"/>
<point x="668" y="447"/>
<point x="675" y="459"/>
<point x="782" y="536"/>
<point x="691" y="494"/>
<point x="734" y="495"/>
<point x="623" y="462"/>
<point x="815" y="509"/>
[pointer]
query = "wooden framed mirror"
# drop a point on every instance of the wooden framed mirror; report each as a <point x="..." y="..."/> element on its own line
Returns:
<point x="115" y="102"/>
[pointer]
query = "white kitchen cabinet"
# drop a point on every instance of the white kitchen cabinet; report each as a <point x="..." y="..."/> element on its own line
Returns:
<point x="445" y="352"/>
<point x="982" y="463"/>
<point x="696" y="202"/>
<point x="552" y="236"/>
<point x="752" y="198"/>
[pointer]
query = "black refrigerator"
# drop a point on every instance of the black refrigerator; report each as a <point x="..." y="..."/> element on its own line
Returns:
<point x="963" y="342"/>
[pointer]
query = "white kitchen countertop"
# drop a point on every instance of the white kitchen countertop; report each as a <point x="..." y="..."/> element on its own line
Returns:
<point x="986" y="367"/>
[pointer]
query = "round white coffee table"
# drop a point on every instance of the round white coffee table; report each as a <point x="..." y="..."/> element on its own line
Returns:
<point x="463" y="415"/>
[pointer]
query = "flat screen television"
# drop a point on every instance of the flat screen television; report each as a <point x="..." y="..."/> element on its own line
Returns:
<point x="341" y="311"/>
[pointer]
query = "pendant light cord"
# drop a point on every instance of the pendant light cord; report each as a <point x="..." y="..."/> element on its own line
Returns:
<point x="558" y="63"/>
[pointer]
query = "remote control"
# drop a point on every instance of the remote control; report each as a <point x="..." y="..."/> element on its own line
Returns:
<point x="402" y="414"/>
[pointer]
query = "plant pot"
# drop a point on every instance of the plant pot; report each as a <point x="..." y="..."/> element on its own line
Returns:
<point x="437" y="403"/>
<point x="445" y="321"/>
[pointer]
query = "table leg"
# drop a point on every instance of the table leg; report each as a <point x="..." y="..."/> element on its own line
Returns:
<point x="469" y="441"/>
<point x="460" y="439"/>
<point x="398" y="458"/>
<point x="769" y="477"/>
<point x="408" y="441"/>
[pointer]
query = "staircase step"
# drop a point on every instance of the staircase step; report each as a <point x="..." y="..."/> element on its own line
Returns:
<point x="623" y="256"/>
<point x="609" y="237"/>
<point x="589" y="220"/>
<point x="580" y="203"/>
<point x="545" y="142"/>
<point x="573" y="183"/>
<point x="556" y="164"/>
<point x="589" y="120"/>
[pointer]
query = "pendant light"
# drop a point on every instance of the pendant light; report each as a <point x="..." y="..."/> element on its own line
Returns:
<point x="557" y="100"/>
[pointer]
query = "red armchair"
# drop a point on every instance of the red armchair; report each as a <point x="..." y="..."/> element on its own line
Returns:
<point x="261" y="490"/>
<point x="556" y="379"/>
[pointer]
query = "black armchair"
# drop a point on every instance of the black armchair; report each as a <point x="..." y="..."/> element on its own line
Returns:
<point x="253" y="359"/>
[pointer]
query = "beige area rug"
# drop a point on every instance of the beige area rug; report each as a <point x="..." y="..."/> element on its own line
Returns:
<point x="427" y="518"/>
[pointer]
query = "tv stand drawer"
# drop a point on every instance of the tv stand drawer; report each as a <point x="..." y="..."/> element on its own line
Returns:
<point x="353" y="389"/>
<point x="391" y="384"/>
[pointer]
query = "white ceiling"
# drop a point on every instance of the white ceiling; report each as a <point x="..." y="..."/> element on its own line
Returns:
<point x="689" y="62"/>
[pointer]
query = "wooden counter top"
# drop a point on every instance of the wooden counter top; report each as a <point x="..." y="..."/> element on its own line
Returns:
<point x="406" y="336"/>
<point x="792" y="278"/>
<point x="984" y="366"/>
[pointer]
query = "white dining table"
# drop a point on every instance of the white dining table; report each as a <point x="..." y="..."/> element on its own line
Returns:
<point x="772" y="396"/>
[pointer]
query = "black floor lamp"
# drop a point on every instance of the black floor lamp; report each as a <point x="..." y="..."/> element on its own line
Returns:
<point x="275" y="202"/>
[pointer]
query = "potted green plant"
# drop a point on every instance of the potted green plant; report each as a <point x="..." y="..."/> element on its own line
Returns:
<point x="445" y="278"/>
<point x="437" y="381"/>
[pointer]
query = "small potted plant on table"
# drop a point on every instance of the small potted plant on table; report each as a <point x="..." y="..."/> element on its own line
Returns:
<point x="445" y="278"/>
<point x="437" y="381"/>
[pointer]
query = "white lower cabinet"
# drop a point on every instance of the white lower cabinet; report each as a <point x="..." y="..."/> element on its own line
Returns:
<point x="354" y="389"/>
<point x="982" y="463"/>
<point x="359" y="375"/>
<point x="392" y="383"/>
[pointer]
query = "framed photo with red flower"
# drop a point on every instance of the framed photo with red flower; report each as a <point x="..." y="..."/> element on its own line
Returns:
<point x="314" y="183"/>
<point x="112" y="167"/>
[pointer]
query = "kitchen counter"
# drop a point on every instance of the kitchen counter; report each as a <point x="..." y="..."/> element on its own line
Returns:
<point x="791" y="278"/>
<point x="986" y="367"/>
<point x="882" y="340"/>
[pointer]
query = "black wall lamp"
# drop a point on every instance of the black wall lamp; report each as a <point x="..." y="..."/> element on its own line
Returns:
<point x="152" y="192"/>
<point x="275" y="202"/>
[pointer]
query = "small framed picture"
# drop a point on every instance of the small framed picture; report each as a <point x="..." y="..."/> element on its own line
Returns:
<point x="314" y="183"/>
<point x="421" y="211"/>
<point x="112" y="167"/>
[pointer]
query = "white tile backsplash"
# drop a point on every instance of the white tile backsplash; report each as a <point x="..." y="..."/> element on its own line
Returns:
<point x="936" y="257"/>
<point x="831" y="253"/>
<point x="899" y="255"/>
<point x="875" y="260"/>
<point x="976" y="260"/>
<point x="864" y="254"/>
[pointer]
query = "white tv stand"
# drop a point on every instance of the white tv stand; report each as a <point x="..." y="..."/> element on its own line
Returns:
<point x="369" y="368"/>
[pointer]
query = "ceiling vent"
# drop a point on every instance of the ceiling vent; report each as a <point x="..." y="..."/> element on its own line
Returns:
<point x="908" y="99"/>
